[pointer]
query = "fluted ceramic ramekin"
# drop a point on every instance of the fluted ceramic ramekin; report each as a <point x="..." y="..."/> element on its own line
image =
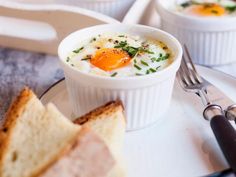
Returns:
<point x="145" y="98"/>
<point x="210" y="40"/>
<point x="114" y="8"/>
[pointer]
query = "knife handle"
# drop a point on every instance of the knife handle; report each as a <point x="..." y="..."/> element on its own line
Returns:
<point x="226" y="137"/>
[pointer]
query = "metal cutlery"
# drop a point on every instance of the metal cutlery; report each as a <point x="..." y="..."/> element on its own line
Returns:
<point x="216" y="95"/>
<point x="225" y="134"/>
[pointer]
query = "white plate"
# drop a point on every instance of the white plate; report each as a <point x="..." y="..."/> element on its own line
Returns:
<point x="181" y="145"/>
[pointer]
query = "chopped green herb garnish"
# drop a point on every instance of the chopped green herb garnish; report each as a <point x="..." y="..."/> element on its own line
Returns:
<point x="78" y="50"/>
<point x="67" y="59"/>
<point x="153" y="59"/>
<point x="87" y="58"/>
<point x="72" y="65"/>
<point x="141" y="49"/>
<point x="149" y="52"/>
<point x="114" y="74"/>
<point x="161" y="58"/>
<point x="230" y="9"/>
<point x="132" y="51"/>
<point x="93" y="39"/>
<point x="166" y="56"/>
<point x="121" y="36"/>
<point x="137" y="67"/>
<point x="121" y="44"/>
<point x="138" y="74"/>
<point x="135" y="61"/>
<point x="152" y="70"/>
<point x="158" y="67"/>
<point x="156" y="59"/>
<point x="144" y="63"/>
<point x="189" y="3"/>
<point x="147" y="72"/>
<point x="186" y="4"/>
<point x="160" y="55"/>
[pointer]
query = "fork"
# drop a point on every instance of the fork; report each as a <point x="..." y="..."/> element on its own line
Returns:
<point x="225" y="134"/>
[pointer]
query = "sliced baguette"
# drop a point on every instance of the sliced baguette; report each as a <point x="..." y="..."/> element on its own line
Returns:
<point x="34" y="137"/>
<point x="108" y="122"/>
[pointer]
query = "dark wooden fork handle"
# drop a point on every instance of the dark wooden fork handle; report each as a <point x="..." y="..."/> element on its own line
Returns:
<point x="226" y="138"/>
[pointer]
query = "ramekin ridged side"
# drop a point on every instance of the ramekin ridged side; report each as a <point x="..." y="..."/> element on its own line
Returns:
<point x="114" y="8"/>
<point x="143" y="106"/>
<point x="145" y="98"/>
<point x="209" y="40"/>
<point x="206" y="48"/>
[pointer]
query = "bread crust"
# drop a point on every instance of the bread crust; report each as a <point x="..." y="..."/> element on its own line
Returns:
<point x="15" y="110"/>
<point x="107" y="109"/>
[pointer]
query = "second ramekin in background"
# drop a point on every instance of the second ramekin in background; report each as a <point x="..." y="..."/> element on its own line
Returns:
<point x="114" y="8"/>
<point x="145" y="98"/>
<point x="210" y="40"/>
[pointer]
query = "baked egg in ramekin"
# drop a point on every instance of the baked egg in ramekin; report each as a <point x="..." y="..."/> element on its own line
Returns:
<point x="133" y="63"/>
<point x="207" y="27"/>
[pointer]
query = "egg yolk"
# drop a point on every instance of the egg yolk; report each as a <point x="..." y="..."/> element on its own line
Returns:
<point x="109" y="59"/>
<point x="208" y="10"/>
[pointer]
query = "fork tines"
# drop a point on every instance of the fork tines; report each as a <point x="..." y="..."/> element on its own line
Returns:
<point x="187" y="72"/>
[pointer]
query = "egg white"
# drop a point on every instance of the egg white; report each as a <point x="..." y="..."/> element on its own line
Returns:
<point x="107" y="41"/>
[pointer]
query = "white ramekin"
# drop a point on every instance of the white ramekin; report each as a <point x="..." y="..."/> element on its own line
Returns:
<point x="145" y="98"/>
<point x="211" y="41"/>
<point x="114" y="8"/>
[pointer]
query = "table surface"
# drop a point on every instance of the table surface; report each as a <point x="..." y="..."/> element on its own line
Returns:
<point x="38" y="71"/>
<point x="20" y="68"/>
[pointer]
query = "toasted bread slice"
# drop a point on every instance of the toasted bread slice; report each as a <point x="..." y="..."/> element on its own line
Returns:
<point x="33" y="137"/>
<point x="108" y="122"/>
<point x="88" y="156"/>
